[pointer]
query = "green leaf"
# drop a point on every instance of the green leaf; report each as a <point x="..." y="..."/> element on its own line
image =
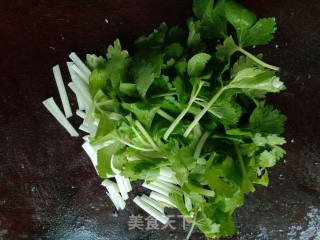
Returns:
<point x="177" y="200"/>
<point x="104" y="159"/>
<point x="181" y="89"/>
<point x="257" y="79"/>
<point x="194" y="41"/>
<point x="225" y="50"/>
<point x="144" y="112"/>
<point x="213" y="25"/>
<point x="181" y="66"/>
<point x="174" y="50"/>
<point x="154" y="41"/>
<point x="128" y="89"/>
<point x="93" y="62"/>
<point x="242" y="63"/>
<point x="106" y="125"/>
<point x="260" y="33"/>
<point x="269" y="158"/>
<point x="97" y="81"/>
<point x="176" y="35"/>
<point x="146" y="169"/>
<point x="239" y="17"/>
<point x="145" y="72"/>
<point x="228" y="112"/>
<point x="202" y="6"/>
<point x="197" y="64"/>
<point x="266" y="119"/>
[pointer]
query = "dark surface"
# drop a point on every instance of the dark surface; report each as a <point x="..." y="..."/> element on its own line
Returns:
<point x="48" y="187"/>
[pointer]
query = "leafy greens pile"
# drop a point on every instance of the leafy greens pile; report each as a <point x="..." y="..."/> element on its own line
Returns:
<point x="194" y="101"/>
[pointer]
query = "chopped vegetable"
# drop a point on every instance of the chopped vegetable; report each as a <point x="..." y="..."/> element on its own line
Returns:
<point x="52" y="107"/>
<point x="62" y="91"/>
<point x="185" y="114"/>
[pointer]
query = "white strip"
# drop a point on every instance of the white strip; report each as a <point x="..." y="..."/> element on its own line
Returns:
<point x="81" y="105"/>
<point x="149" y="209"/>
<point x="62" y="91"/>
<point x="161" y="198"/>
<point x="56" y="112"/>
<point x="114" y="192"/>
<point x="86" y="138"/>
<point x="167" y="186"/>
<point x="121" y="187"/>
<point x="153" y="203"/>
<point x="127" y="184"/>
<point x="83" y="68"/>
<point x="156" y="188"/>
<point x="91" y="153"/>
<point x="166" y="172"/>
<point x="166" y="179"/>
<point x="80" y="74"/>
<point x="81" y="114"/>
<point x="84" y="128"/>
<point x="114" y="201"/>
<point x="82" y="88"/>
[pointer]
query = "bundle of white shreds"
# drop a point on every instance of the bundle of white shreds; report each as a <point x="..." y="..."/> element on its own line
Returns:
<point x="117" y="186"/>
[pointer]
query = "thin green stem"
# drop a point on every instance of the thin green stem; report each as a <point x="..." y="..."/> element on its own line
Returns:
<point x="247" y="184"/>
<point x="183" y="113"/>
<point x="193" y="225"/>
<point x="257" y="60"/>
<point x="200" y="144"/>
<point x="147" y="136"/>
<point x="139" y="136"/>
<point x="135" y="147"/>
<point x="203" y="112"/>
<point x="165" y="115"/>
<point x="164" y="95"/>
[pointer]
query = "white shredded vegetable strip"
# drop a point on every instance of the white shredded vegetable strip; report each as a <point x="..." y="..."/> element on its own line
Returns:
<point x="167" y="186"/>
<point x="83" y="68"/>
<point x="81" y="105"/>
<point x="56" y="112"/>
<point x="91" y="153"/>
<point x="170" y="180"/>
<point x="156" y="189"/>
<point x="114" y="192"/>
<point x="81" y="114"/>
<point x="166" y="171"/>
<point x="121" y="186"/>
<point x="84" y="128"/>
<point x="114" y="201"/>
<point x="153" y="203"/>
<point x="82" y="88"/>
<point x="161" y="198"/>
<point x="79" y="73"/>
<point x="152" y="211"/>
<point x="127" y="184"/>
<point x="62" y="91"/>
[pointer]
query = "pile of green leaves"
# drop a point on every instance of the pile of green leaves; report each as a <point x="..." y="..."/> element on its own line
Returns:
<point x="194" y="100"/>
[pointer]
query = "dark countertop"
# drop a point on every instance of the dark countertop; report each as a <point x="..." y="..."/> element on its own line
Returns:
<point x="48" y="187"/>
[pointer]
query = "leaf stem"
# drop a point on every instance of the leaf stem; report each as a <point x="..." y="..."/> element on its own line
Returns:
<point x="200" y="144"/>
<point x="203" y="111"/>
<point x="248" y="186"/>
<point x="193" y="225"/>
<point x="257" y="60"/>
<point x="147" y="136"/>
<point x="183" y="113"/>
<point x="165" y="115"/>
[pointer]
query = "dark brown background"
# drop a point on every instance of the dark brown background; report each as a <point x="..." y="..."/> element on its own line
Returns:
<point x="48" y="188"/>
